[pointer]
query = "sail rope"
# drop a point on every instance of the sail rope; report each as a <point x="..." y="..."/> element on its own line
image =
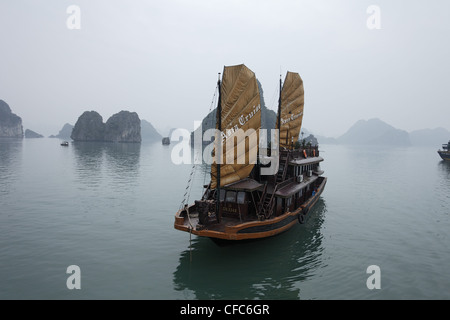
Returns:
<point x="274" y="99"/>
<point x="188" y="189"/>
<point x="185" y="202"/>
<point x="187" y="192"/>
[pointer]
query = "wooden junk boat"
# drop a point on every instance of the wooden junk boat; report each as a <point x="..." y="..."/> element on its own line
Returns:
<point x="445" y="152"/>
<point x="242" y="201"/>
<point x="165" y="141"/>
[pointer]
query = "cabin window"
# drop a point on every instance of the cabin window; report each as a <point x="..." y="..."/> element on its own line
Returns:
<point x="231" y="196"/>
<point x="241" y="197"/>
<point x="288" y="202"/>
<point x="222" y="195"/>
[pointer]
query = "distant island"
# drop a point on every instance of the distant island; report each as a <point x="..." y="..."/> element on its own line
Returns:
<point x="64" y="133"/>
<point x="124" y="126"/>
<point x="10" y="123"/>
<point x="148" y="132"/>
<point x="377" y="132"/>
<point x="30" y="134"/>
<point x="364" y="132"/>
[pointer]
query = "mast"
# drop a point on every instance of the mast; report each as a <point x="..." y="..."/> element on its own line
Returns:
<point x="279" y="116"/>
<point x="219" y="148"/>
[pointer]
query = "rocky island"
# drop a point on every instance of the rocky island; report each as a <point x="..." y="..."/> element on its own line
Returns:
<point x="30" y="134"/>
<point x="374" y="132"/>
<point x="64" y="133"/>
<point x="10" y="124"/>
<point x="124" y="126"/>
<point x="148" y="132"/>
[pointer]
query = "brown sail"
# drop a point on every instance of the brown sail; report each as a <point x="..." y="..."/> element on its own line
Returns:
<point x="240" y="125"/>
<point x="292" y="102"/>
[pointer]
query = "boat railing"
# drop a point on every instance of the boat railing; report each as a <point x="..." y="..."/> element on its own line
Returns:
<point x="309" y="151"/>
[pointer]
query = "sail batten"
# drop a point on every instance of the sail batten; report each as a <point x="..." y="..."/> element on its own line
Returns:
<point x="240" y="125"/>
<point x="291" y="110"/>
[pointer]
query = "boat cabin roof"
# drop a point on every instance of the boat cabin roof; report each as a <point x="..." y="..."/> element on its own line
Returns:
<point x="303" y="161"/>
<point x="244" y="185"/>
<point x="294" y="187"/>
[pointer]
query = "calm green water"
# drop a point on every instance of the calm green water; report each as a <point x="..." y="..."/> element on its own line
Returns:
<point x="109" y="208"/>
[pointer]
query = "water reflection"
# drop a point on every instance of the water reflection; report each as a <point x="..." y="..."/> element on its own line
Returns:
<point x="10" y="161"/>
<point x="442" y="186"/>
<point x="89" y="160"/>
<point x="273" y="267"/>
<point x="122" y="162"/>
<point x="98" y="160"/>
<point x="444" y="167"/>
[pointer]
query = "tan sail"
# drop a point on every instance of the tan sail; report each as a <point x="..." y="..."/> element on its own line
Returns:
<point x="241" y="122"/>
<point x="292" y="102"/>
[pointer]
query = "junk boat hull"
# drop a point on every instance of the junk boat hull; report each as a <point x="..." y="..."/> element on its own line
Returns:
<point x="233" y="229"/>
<point x="445" y="155"/>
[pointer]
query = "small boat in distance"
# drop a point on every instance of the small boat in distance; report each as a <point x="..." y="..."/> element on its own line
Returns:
<point x="166" y="141"/>
<point x="65" y="143"/>
<point x="255" y="199"/>
<point x="445" y="152"/>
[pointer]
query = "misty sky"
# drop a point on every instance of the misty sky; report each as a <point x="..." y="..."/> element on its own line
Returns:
<point x="161" y="59"/>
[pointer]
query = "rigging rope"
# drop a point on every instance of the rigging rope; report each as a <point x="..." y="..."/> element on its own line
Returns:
<point x="187" y="192"/>
<point x="188" y="189"/>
